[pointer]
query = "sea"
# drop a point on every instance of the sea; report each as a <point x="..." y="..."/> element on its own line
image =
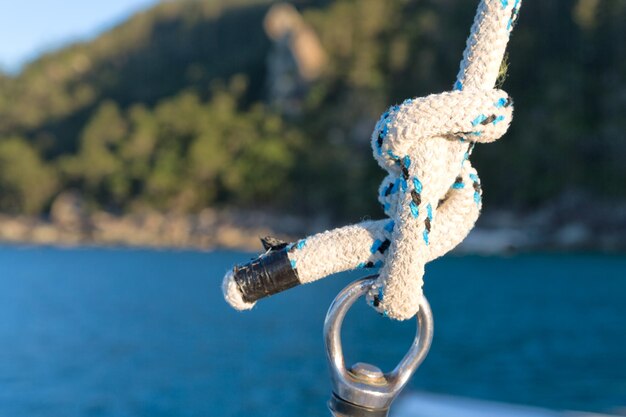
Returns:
<point x="129" y="332"/>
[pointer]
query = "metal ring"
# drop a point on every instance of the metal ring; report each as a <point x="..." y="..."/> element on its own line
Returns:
<point x="373" y="395"/>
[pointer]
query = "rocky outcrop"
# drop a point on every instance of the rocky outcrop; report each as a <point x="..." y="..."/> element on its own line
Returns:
<point x="296" y="59"/>
<point x="573" y="221"/>
<point x="68" y="211"/>
<point x="207" y="230"/>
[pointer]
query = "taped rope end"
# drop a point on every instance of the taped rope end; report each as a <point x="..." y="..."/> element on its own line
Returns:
<point x="269" y="274"/>
<point x="232" y="295"/>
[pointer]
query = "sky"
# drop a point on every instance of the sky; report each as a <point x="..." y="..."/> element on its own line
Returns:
<point x="30" y="27"/>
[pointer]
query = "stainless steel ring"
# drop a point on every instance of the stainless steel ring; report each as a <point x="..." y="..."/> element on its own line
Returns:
<point x="362" y="388"/>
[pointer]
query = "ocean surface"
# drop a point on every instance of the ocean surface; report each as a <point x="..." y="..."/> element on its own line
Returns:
<point x="117" y="332"/>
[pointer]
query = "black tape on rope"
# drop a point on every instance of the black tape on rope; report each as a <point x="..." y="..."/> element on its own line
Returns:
<point x="267" y="275"/>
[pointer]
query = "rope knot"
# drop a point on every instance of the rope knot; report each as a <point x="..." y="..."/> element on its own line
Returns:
<point x="431" y="195"/>
<point x="424" y="144"/>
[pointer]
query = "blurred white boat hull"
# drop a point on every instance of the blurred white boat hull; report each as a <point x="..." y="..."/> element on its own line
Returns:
<point x="419" y="404"/>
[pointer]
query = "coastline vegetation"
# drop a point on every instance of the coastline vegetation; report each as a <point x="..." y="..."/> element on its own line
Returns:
<point x="167" y="111"/>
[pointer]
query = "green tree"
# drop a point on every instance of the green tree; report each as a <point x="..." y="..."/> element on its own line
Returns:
<point x="26" y="182"/>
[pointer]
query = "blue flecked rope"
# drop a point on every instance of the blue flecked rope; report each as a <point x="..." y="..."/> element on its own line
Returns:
<point x="432" y="195"/>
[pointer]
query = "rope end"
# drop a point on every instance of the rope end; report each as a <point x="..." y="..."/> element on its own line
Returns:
<point x="269" y="274"/>
<point x="232" y="295"/>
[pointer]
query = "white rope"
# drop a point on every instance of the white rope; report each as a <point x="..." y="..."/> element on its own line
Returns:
<point x="432" y="194"/>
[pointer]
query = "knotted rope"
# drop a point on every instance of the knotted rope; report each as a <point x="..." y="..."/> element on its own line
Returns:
<point x="432" y="195"/>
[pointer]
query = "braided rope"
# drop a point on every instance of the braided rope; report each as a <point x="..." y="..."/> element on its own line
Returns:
<point x="431" y="194"/>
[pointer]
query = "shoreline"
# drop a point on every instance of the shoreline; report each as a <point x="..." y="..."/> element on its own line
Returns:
<point x="205" y="231"/>
<point x="496" y="233"/>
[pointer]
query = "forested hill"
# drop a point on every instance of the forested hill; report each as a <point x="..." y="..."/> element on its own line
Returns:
<point x="168" y="109"/>
<point x="156" y="54"/>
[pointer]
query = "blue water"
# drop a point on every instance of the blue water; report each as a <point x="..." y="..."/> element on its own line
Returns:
<point x="92" y="332"/>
